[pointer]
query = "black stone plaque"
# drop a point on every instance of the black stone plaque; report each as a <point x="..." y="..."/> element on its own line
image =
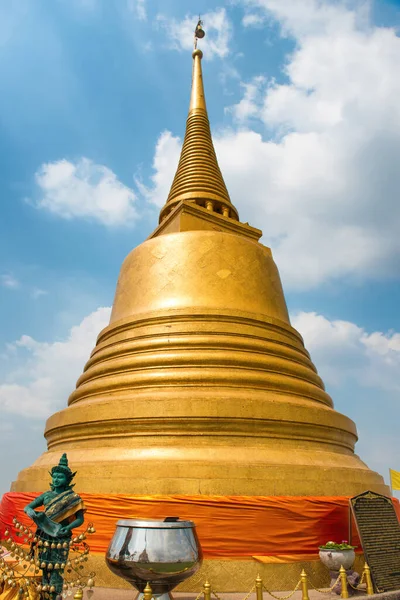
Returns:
<point x="379" y="532"/>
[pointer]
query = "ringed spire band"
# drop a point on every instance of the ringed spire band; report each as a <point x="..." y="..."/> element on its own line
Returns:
<point x="198" y="177"/>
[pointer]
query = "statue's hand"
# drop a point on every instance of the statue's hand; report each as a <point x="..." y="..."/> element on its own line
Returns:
<point x="30" y="512"/>
<point x="64" y="531"/>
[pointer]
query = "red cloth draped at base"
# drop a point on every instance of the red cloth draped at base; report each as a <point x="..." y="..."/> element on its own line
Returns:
<point x="290" y="527"/>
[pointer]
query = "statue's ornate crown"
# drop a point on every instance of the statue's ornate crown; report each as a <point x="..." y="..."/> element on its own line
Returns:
<point x="63" y="467"/>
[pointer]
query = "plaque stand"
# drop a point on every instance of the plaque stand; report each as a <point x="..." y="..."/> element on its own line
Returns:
<point x="379" y="532"/>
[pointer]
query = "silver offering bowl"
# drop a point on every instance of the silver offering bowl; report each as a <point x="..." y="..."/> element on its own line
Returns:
<point x="163" y="553"/>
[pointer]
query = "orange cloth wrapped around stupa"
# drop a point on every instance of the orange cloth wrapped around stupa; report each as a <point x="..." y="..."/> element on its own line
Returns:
<point x="271" y="529"/>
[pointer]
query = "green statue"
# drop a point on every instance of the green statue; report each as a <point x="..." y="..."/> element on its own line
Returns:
<point x="63" y="511"/>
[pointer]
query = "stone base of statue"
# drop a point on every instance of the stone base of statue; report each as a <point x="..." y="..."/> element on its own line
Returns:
<point x="353" y="579"/>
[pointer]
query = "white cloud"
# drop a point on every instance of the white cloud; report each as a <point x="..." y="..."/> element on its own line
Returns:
<point x="85" y="190"/>
<point x="312" y="17"/>
<point x="9" y="281"/>
<point x="253" y="20"/>
<point x="165" y="163"/>
<point x="361" y="371"/>
<point x="47" y="371"/>
<point x="248" y="105"/>
<point x="139" y="8"/>
<point x="38" y="292"/>
<point x="218" y="30"/>
<point x="346" y="353"/>
<point x="325" y="190"/>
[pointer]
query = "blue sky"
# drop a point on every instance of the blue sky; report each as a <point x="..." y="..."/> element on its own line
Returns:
<point x="303" y="101"/>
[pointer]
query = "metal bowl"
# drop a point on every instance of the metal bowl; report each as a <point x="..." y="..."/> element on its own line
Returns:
<point x="163" y="553"/>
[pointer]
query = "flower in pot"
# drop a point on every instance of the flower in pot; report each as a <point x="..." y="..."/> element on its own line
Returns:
<point x="334" y="554"/>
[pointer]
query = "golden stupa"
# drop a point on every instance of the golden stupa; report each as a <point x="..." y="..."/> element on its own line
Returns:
<point x="199" y="385"/>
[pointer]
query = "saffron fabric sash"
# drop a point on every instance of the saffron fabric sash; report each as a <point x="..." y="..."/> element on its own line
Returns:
<point x="64" y="505"/>
<point x="228" y="527"/>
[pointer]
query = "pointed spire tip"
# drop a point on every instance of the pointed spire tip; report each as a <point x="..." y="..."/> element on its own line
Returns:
<point x="198" y="178"/>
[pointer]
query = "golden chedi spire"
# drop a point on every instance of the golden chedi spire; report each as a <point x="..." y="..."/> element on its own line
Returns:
<point x="198" y="177"/>
<point x="199" y="384"/>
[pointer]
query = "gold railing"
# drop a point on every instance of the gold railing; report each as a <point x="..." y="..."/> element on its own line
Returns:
<point x="304" y="582"/>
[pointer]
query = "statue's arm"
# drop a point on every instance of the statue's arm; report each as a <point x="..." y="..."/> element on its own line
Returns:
<point x="76" y="523"/>
<point x="29" y="508"/>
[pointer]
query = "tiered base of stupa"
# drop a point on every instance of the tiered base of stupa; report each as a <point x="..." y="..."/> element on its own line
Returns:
<point x="215" y="463"/>
<point x="199" y="385"/>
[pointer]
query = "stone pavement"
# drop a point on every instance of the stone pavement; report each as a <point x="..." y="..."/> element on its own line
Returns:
<point x="118" y="594"/>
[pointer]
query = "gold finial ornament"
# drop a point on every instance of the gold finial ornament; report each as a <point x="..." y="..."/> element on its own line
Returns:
<point x="199" y="32"/>
<point x="368" y="580"/>
<point x="207" y="590"/>
<point x="304" y="586"/>
<point x="259" y="588"/>
<point x="147" y="592"/>
<point x="343" y="582"/>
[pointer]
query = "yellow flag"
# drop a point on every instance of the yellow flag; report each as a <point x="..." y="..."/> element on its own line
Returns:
<point x="395" y="479"/>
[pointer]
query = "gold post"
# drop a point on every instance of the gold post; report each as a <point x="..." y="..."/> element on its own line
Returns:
<point x="259" y="586"/>
<point x="207" y="590"/>
<point x="147" y="592"/>
<point x="304" y="585"/>
<point x="343" y="580"/>
<point x="78" y="594"/>
<point x="370" y="587"/>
